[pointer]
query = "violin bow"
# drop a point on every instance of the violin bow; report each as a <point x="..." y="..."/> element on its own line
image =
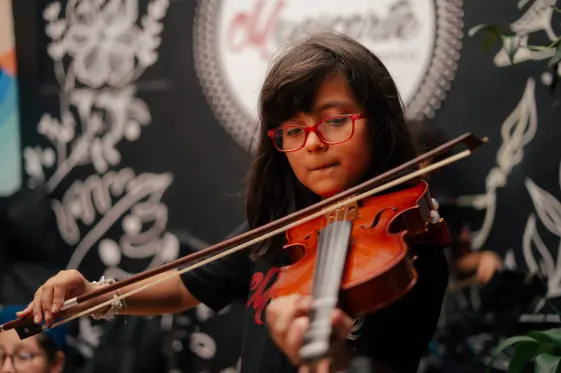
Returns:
<point x="27" y="328"/>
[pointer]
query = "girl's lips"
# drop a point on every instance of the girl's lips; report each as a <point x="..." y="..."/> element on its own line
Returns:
<point x="324" y="166"/>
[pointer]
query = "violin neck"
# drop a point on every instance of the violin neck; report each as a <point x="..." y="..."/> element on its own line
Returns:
<point x="329" y="269"/>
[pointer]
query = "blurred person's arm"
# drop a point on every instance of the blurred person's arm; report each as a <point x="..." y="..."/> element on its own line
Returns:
<point x="483" y="263"/>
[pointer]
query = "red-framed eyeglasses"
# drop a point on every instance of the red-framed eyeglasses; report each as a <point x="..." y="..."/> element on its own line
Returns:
<point x="334" y="130"/>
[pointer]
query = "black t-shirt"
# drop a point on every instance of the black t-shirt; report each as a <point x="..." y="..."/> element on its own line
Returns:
<point x="397" y="335"/>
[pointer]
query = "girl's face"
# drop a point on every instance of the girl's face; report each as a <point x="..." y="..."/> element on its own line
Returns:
<point x="25" y="356"/>
<point x="329" y="169"/>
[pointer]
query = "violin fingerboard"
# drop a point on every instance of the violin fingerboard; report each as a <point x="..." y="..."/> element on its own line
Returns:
<point x="331" y="257"/>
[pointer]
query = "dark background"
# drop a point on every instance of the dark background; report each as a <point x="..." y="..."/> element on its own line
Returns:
<point x="206" y="198"/>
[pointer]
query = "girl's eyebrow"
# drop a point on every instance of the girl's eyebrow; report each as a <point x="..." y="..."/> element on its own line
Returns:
<point x="332" y="104"/>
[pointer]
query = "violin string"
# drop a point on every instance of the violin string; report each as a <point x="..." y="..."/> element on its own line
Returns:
<point x="391" y="184"/>
<point x="323" y="237"/>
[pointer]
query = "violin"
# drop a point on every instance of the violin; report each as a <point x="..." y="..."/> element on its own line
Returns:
<point x="357" y="258"/>
<point x="350" y="250"/>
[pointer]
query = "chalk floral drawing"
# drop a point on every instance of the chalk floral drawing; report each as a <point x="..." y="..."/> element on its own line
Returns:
<point x="537" y="18"/>
<point x="201" y="344"/>
<point x="139" y="204"/>
<point x="545" y="222"/>
<point x="99" y="50"/>
<point x="518" y="129"/>
<point x="516" y="48"/>
<point x="88" y="339"/>
<point x="521" y="126"/>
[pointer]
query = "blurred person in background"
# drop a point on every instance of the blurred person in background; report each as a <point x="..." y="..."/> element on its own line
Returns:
<point x="484" y="299"/>
<point x="31" y="246"/>
<point x="42" y="353"/>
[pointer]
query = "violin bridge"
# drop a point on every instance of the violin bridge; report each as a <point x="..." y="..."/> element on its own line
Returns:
<point x="347" y="212"/>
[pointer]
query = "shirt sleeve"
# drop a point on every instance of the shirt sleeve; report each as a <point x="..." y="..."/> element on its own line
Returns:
<point x="399" y="335"/>
<point x="223" y="281"/>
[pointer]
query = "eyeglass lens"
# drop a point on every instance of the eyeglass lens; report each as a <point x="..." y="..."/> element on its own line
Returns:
<point x="332" y="130"/>
<point x="20" y="360"/>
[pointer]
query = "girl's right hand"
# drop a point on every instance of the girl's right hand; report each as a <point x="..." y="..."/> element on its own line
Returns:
<point x="50" y="297"/>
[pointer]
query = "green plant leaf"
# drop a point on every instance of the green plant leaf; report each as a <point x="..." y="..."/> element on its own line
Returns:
<point x="538" y="48"/>
<point x="511" y="44"/>
<point x="547" y="363"/>
<point x="545" y="348"/>
<point x="512" y="341"/>
<point x="493" y="34"/>
<point x="556" y="58"/>
<point x="493" y="29"/>
<point x="524" y="352"/>
<point x="508" y="343"/>
<point x="552" y="336"/>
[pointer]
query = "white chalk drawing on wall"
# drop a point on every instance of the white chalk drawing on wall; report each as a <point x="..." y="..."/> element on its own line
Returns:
<point x="203" y="345"/>
<point x="538" y="17"/>
<point x="99" y="51"/>
<point x="537" y="255"/>
<point x="517" y="131"/>
<point x="198" y="342"/>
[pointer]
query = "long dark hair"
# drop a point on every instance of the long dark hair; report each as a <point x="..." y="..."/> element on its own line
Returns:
<point x="428" y="136"/>
<point x="49" y="347"/>
<point x="290" y="87"/>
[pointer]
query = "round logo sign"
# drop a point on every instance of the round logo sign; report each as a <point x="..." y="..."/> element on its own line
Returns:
<point x="418" y="40"/>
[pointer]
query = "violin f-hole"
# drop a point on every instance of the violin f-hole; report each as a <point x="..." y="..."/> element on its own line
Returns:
<point x="378" y="216"/>
<point x="295" y="252"/>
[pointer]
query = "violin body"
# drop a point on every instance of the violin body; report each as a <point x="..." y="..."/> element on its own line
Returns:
<point x="379" y="264"/>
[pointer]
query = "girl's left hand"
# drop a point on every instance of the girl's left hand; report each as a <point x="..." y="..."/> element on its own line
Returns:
<point x="287" y="321"/>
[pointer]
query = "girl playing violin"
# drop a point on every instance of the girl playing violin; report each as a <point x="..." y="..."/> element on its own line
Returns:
<point x="331" y="117"/>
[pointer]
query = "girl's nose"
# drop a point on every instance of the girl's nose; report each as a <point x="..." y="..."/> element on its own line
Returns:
<point x="7" y="366"/>
<point x="314" y="143"/>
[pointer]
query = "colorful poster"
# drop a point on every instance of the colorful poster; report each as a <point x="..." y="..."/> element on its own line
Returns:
<point x="10" y="148"/>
